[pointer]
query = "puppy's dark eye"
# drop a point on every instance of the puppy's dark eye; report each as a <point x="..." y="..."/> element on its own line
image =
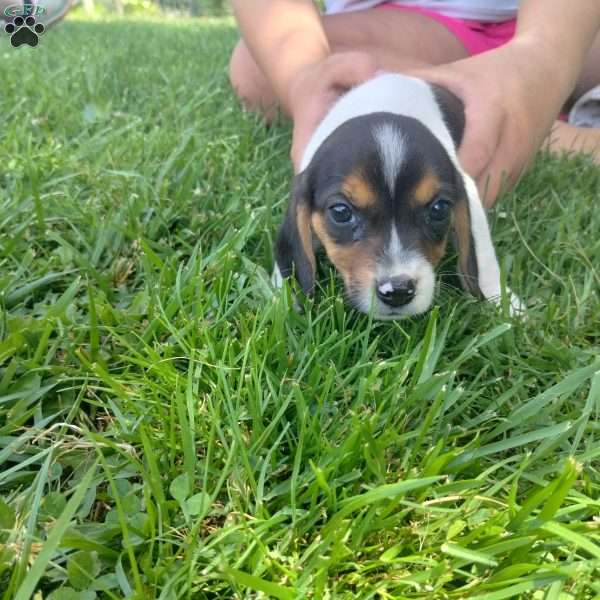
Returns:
<point x="439" y="210"/>
<point x="341" y="213"/>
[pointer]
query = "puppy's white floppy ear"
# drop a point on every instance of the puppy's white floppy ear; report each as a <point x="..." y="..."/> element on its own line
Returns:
<point x="294" y="252"/>
<point x="477" y="263"/>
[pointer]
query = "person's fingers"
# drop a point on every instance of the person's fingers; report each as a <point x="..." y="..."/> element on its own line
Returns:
<point x="507" y="165"/>
<point x="306" y="123"/>
<point x="482" y="144"/>
<point x="295" y="152"/>
<point x="500" y="175"/>
<point x="489" y="185"/>
<point x="337" y="74"/>
<point x="480" y="140"/>
<point x="300" y="140"/>
<point x="483" y="124"/>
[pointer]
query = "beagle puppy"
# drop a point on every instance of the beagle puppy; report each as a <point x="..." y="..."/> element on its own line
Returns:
<point x="381" y="190"/>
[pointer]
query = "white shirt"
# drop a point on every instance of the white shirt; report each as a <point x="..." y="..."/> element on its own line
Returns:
<point x="478" y="10"/>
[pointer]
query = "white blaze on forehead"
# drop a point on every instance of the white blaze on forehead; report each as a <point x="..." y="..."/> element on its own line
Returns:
<point x="395" y="249"/>
<point x="400" y="261"/>
<point x="391" y="150"/>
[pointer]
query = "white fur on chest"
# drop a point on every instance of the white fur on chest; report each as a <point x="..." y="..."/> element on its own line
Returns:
<point x="392" y="93"/>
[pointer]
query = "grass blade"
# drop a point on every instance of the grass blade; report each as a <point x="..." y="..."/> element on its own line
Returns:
<point x="260" y="585"/>
<point x="30" y="581"/>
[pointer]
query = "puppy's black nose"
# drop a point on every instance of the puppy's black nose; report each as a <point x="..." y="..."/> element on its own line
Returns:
<point x="396" y="291"/>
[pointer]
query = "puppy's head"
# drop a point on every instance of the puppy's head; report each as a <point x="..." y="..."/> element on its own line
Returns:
<point x="382" y="196"/>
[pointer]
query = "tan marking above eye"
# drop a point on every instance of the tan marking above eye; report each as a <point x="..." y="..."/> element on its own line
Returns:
<point x="358" y="190"/>
<point x="426" y="189"/>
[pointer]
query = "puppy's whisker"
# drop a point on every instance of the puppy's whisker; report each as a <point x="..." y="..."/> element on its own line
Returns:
<point x="469" y="277"/>
<point x="447" y="288"/>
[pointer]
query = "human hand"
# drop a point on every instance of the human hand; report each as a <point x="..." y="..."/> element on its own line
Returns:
<point x="316" y="87"/>
<point x="512" y="97"/>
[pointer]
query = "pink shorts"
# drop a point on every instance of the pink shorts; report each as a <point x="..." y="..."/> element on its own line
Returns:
<point x="475" y="36"/>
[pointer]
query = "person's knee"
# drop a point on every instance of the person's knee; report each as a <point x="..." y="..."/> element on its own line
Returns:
<point x="238" y="71"/>
<point x="247" y="80"/>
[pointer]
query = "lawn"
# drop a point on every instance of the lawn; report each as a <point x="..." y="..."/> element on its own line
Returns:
<point x="171" y="428"/>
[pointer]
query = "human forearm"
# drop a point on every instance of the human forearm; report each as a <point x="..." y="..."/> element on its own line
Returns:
<point x="284" y="37"/>
<point x="557" y="35"/>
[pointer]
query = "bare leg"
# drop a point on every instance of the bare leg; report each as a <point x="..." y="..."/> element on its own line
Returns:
<point x="397" y="40"/>
<point x="567" y="138"/>
<point x="249" y="83"/>
<point x="590" y="75"/>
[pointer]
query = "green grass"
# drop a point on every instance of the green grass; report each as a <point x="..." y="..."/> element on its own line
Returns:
<point x="171" y="428"/>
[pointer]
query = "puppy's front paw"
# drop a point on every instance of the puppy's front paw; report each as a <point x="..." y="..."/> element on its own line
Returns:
<point x="276" y="277"/>
<point x="277" y="282"/>
<point x="516" y="306"/>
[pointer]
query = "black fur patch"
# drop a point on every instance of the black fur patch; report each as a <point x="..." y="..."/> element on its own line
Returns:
<point x="290" y="254"/>
<point x="470" y="278"/>
<point x="472" y="267"/>
<point x="453" y="111"/>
